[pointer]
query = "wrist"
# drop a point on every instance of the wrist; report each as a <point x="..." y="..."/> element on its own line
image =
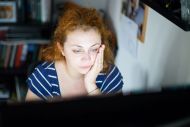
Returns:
<point x="93" y="91"/>
<point x="90" y="82"/>
<point x="90" y="87"/>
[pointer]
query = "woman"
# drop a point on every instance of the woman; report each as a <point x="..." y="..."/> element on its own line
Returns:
<point x="78" y="62"/>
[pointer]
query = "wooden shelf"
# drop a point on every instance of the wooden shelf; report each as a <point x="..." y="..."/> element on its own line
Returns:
<point x="13" y="71"/>
<point x="26" y="24"/>
<point x="18" y="31"/>
<point x="172" y="14"/>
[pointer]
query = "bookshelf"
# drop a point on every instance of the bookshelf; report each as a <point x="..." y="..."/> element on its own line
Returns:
<point x="15" y="60"/>
<point x="21" y="41"/>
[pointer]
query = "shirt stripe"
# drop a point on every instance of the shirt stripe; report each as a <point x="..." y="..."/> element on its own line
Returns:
<point x="101" y="74"/>
<point x="98" y="81"/>
<point x="50" y="68"/>
<point x="44" y="63"/>
<point x="49" y="65"/>
<point x="52" y="76"/>
<point x="54" y="85"/>
<point x="55" y="93"/>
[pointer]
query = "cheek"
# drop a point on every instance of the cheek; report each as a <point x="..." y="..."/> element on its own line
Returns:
<point x="70" y="58"/>
<point x="74" y="59"/>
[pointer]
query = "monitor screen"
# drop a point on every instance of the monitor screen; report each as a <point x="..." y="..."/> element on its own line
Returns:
<point x="143" y="109"/>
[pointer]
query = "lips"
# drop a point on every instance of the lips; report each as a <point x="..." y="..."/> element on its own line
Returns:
<point x="85" y="66"/>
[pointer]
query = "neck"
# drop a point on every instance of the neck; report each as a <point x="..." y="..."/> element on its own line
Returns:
<point x="71" y="73"/>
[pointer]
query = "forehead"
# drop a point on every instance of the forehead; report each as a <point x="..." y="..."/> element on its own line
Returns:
<point x="83" y="37"/>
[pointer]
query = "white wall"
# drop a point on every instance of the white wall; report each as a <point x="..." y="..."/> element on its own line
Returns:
<point x="165" y="52"/>
<point x="113" y="10"/>
<point x="128" y="65"/>
<point x="162" y="58"/>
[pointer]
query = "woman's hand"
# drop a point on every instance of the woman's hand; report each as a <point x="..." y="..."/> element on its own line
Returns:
<point x="90" y="77"/>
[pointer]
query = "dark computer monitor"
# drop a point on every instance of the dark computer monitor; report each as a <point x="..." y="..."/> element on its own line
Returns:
<point x="169" y="107"/>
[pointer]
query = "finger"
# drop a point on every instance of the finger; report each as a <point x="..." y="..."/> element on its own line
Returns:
<point x="97" y="60"/>
<point x="98" y="64"/>
<point x="101" y="57"/>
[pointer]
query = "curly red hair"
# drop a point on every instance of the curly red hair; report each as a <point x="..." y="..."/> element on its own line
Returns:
<point x="77" y="17"/>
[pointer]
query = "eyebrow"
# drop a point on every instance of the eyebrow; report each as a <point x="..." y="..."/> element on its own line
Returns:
<point x="82" y="46"/>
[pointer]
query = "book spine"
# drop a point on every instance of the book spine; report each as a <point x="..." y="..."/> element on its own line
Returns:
<point x="45" y="11"/>
<point x="7" y="57"/>
<point x="12" y="57"/>
<point x="18" y="56"/>
<point x="3" y="55"/>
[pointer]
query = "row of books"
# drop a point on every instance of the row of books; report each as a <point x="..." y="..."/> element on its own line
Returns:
<point x="16" y="55"/>
<point x="34" y="10"/>
<point x="4" y="91"/>
<point x="18" y="33"/>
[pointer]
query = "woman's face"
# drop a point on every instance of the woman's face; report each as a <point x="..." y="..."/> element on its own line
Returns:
<point x="80" y="49"/>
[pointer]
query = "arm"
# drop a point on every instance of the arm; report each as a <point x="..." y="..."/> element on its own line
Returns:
<point x="96" y="91"/>
<point x="31" y="96"/>
<point x="90" y="77"/>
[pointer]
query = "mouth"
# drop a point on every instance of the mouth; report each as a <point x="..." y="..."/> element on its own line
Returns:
<point x="85" y="67"/>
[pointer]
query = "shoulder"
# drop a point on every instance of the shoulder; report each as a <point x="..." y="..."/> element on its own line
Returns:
<point x="112" y="67"/>
<point x="42" y="70"/>
<point x="113" y="80"/>
<point x="43" y="66"/>
<point x="46" y="65"/>
<point x="113" y="70"/>
<point x="38" y="80"/>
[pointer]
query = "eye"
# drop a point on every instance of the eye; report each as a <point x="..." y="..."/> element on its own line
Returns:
<point x="78" y="51"/>
<point x="94" y="50"/>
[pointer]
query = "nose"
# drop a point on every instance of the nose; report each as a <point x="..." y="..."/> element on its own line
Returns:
<point x="86" y="57"/>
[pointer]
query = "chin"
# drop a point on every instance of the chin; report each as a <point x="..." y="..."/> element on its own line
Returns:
<point x="84" y="71"/>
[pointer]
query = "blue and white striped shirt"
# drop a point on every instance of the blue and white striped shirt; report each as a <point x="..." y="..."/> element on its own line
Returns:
<point x="44" y="81"/>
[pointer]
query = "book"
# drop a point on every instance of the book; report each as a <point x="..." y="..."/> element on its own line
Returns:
<point x="18" y="56"/>
<point x="7" y="56"/>
<point x="12" y="57"/>
<point x="45" y="11"/>
<point x="4" y="91"/>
